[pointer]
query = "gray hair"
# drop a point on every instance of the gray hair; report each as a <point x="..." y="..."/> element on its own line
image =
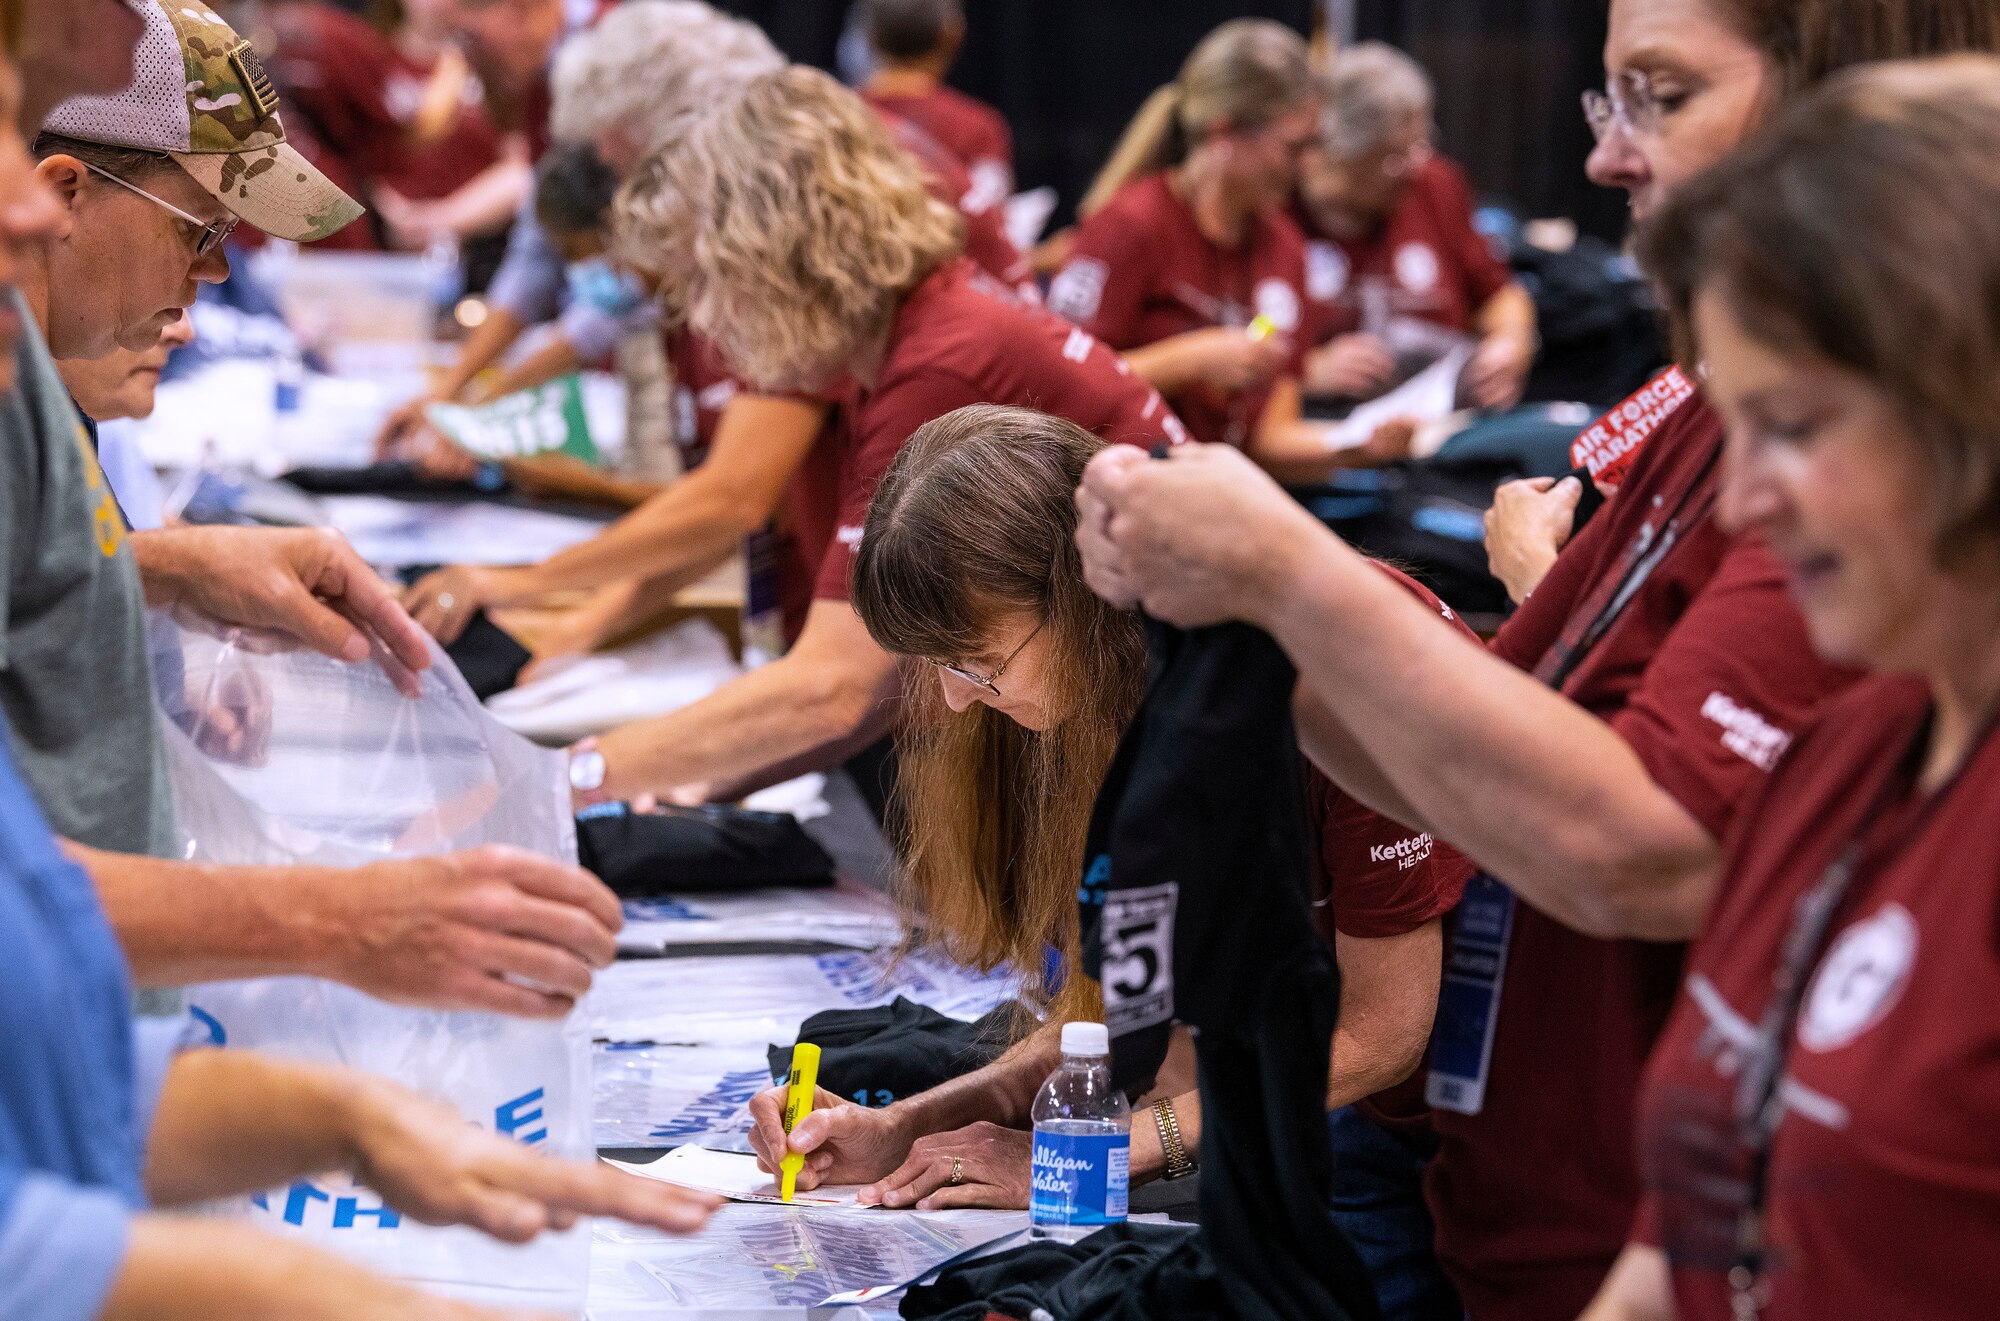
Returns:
<point x="652" y="69"/>
<point x="1372" y="90"/>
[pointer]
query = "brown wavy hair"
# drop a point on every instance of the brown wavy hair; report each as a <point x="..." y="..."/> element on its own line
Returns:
<point x="1863" y="227"/>
<point x="1806" y="41"/>
<point x="787" y="227"/>
<point x="976" y="519"/>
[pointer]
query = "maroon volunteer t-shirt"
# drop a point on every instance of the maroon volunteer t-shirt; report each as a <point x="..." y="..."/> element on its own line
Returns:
<point x="1141" y="271"/>
<point x="1432" y="263"/>
<point x="1383" y="879"/>
<point x="974" y="133"/>
<point x="360" y="95"/>
<point x="986" y="240"/>
<point x="960" y="339"/>
<point x="1705" y="673"/>
<point x="1884" y="1182"/>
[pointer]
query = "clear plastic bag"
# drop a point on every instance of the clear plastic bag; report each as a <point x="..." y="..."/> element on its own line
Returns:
<point x="291" y="757"/>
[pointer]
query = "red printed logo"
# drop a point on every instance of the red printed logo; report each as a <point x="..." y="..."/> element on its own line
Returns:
<point x="1612" y="442"/>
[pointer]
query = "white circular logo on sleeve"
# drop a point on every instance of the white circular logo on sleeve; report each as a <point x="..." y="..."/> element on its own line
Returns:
<point x="1077" y="291"/>
<point x="1860" y="979"/>
<point x="1326" y="271"/>
<point x="1278" y="302"/>
<point x="1417" y="267"/>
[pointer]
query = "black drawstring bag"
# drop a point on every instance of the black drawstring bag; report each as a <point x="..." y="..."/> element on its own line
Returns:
<point x="878" y="1056"/>
<point x="1196" y="908"/>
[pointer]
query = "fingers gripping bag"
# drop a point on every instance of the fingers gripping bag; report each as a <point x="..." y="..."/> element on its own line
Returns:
<point x="281" y="757"/>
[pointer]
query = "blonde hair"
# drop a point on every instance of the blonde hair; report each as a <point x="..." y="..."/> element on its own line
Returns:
<point x="786" y="227"/>
<point x="1247" y="73"/>
<point x="651" y="69"/>
<point x="974" y="520"/>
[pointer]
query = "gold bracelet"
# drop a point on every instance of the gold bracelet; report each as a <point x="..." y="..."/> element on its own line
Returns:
<point x="1179" y="1165"/>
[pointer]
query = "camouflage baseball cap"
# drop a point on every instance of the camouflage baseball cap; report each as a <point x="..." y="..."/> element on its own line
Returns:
<point x="200" y="94"/>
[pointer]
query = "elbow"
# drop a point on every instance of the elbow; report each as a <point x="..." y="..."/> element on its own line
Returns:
<point x="1610" y="886"/>
<point x="836" y="703"/>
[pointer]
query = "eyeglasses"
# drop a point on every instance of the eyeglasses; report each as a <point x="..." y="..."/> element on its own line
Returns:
<point x="989" y="682"/>
<point x="1628" y="101"/>
<point x="208" y="235"/>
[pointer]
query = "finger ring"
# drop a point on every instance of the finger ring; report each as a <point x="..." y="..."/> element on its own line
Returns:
<point x="957" y="1171"/>
<point x="446" y="600"/>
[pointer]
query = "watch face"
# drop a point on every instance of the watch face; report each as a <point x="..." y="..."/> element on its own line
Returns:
<point x="586" y="770"/>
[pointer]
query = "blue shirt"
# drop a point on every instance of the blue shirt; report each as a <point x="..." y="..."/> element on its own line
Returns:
<point x="78" y="1082"/>
<point x="532" y="280"/>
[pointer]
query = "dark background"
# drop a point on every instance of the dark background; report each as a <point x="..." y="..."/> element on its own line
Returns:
<point x="1069" y="73"/>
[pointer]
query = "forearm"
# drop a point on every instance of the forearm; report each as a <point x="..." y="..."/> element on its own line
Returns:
<point x="1509" y="314"/>
<point x="488" y="201"/>
<point x="232" y="1122"/>
<point x="556" y="358"/>
<point x="1298" y="452"/>
<point x="770" y="715"/>
<point x="561" y="477"/>
<point x="184" y="1269"/>
<point x="1539" y="792"/>
<point x="1639" y="1288"/>
<point x="1166" y="364"/>
<point x="483" y="347"/>
<point x="1332" y="747"/>
<point x="184" y="922"/>
<point x="1001" y="1093"/>
<point x="673" y="538"/>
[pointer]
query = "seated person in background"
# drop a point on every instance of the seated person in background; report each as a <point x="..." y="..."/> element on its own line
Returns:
<point x="1185" y="242"/>
<point x="120" y="388"/>
<point x="107" y="243"/>
<point x="1390" y="247"/>
<point x="805" y="246"/>
<point x="1022" y="682"/>
<point x="103" y="1120"/>
<point x="399" y="116"/>
<point x="510" y="44"/>
<point x="914" y="43"/>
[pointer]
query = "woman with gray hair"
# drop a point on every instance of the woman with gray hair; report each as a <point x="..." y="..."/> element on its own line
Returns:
<point x="1389" y="234"/>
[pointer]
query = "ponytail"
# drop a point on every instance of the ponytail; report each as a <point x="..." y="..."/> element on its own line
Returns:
<point x="1154" y="140"/>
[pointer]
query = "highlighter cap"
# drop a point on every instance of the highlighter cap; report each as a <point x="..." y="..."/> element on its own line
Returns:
<point x="1085" y="1039"/>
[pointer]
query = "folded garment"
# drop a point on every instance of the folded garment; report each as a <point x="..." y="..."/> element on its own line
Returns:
<point x="1123" y="1273"/>
<point x="394" y="477"/>
<point x="694" y="850"/>
<point x="875" y="1056"/>
<point x="488" y="656"/>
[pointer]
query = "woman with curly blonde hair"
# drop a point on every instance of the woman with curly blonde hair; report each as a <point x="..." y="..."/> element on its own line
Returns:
<point x="790" y="231"/>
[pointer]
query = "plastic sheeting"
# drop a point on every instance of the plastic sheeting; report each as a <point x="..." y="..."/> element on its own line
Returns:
<point x="291" y="757"/>
<point x="845" y="915"/>
<point x="590" y="694"/>
<point x="662" y="1096"/>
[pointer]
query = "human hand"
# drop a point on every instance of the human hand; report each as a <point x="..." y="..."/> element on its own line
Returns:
<point x="231" y="720"/>
<point x="1199" y="537"/>
<point x="1388" y="443"/>
<point x="842" y="1142"/>
<point x="1230" y="358"/>
<point x="1498" y="372"/>
<point x="432" y="1166"/>
<point x="464" y="930"/>
<point x="1350" y="367"/>
<point x="304" y="585"/>
<point x="993" y="1165"/>
<point x="435" y="455"/>
<point x="400" y="423"/>
<point x="445" y="600"/>
<point x="1527" y="526"/>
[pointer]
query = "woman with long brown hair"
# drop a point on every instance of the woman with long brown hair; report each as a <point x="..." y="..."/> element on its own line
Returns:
<point x="795" y="236"/>
<point x="1186" y="260"/>
<point x="1024" y="681"/>
<point x="1593" y="760"/>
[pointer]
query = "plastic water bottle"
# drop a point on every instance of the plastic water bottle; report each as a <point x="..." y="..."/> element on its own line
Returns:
<point x="1083" y="1141"/>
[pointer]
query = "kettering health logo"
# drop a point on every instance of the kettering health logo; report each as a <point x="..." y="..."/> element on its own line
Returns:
<point x="1746" y="733"/>
<point x="1406" y="853"/>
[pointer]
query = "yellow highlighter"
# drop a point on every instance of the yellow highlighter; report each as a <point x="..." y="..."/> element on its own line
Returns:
<point x="1262" y="327"/>
<point x="798" y="1104"/>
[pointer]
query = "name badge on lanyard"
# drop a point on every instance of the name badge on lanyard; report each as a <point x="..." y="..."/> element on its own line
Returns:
<point x="1468" y="1012"/>
<point x="1469" y="997"/>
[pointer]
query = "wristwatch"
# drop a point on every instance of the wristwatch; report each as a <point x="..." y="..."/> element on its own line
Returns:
<point x="1179" y="1163"/>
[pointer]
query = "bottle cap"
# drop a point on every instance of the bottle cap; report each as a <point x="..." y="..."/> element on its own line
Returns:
<point x="1085" y="1039"/>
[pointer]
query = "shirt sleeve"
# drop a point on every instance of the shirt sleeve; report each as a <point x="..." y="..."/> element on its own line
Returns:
<point x="1383" y="879"/>
<point x="594" y="333"/>
<point x="1102" y="287"/>
<point x="529" y="284"/>
<point x="60" y="1247"/>
<point x="1727" y="689"/>
<point x="887" y="421"/>
<point x="1484" y="273"/>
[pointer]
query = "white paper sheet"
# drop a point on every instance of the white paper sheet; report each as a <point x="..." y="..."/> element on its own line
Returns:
<point x="590" y="694"/>
<point x="1425" y="397"/>
<point x="760" y="999"/>
<point x="735" y="1175"/>
<point x="773" y="1261"/>
<point x="849" y="915"/>
<point x="398" y="532"/>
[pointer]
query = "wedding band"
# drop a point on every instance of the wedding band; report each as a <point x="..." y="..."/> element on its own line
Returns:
<point x="957" y="1171"/>
<point x="446" y="600"/>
